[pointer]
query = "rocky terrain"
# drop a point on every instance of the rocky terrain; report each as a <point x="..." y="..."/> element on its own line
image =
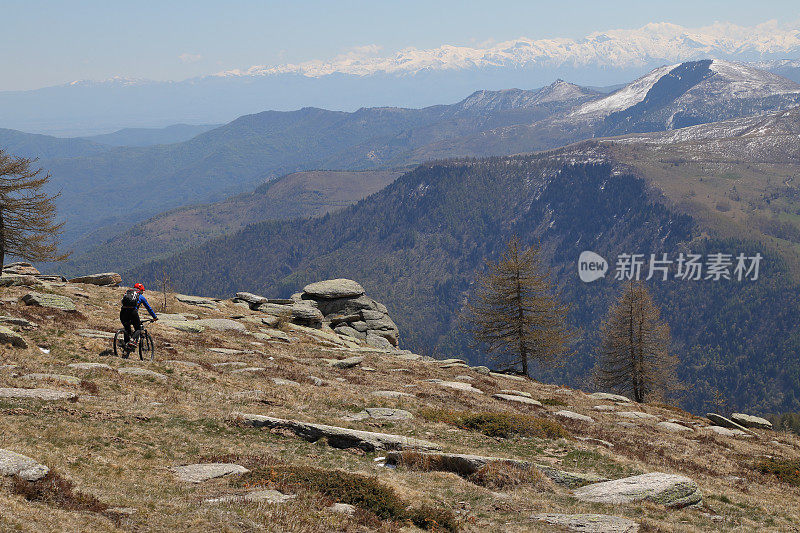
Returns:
<point x="247" y="421"/>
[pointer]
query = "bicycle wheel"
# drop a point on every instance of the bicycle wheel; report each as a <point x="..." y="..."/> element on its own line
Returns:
<point x="119" y="343"/>
<point x="146" y="348"/>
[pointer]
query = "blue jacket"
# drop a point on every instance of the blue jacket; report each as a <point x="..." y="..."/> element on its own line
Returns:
<point x="143" y="300"/>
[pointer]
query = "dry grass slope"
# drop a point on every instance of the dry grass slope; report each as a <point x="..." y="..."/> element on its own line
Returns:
<point x="114" y="446"/>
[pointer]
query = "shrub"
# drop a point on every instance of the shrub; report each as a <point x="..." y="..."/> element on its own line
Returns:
<point x="553" y="401"/>
<point x="786" y="470"/>
<point x="499" y="475"/>
<point x="55" y="490"/>
<point x="499" y="425"/>
<point x="365" y="492"/>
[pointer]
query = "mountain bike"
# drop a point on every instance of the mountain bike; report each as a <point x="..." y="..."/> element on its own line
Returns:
<point x="144" y="343"/>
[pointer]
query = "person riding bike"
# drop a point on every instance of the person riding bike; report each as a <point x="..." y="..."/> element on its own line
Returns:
<point x="129" y="314"/>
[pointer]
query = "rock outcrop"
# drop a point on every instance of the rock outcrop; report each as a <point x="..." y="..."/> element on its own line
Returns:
<point x="750" y="421"/>
<point x="666" y="489"/>
<point x="16" y="464"/>
<point x="7" y="336"/>
<point x="341" y="304"/>
<point x="106" y="279"/>
<point x="337" y="437"/>
<point x="53" y="301"/>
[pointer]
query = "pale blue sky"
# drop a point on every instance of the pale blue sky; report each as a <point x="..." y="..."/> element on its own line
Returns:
<point x="47" y="43"/>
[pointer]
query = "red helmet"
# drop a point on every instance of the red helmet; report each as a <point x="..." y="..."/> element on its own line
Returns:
<point x="139" y="287"/>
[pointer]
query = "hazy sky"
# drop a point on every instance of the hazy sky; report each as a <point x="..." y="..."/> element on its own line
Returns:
<point x="48" y="43"/>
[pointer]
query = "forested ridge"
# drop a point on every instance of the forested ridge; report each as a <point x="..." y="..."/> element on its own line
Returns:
<point x="418" y="244"/>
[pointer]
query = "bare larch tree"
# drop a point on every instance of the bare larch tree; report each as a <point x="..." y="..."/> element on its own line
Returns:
<point x="635" y="357"/>
<point x="27" y="214"/>
<point x="516" y="313"/>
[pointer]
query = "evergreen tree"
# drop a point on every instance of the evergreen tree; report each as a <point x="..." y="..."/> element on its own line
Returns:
<point x="516" y="312"/>
<point x="635" y="358"/>
<point x="27" y="226"/>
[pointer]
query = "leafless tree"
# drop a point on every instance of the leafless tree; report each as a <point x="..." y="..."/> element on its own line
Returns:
<point x="635" y="359"/>
<point x="516" y="313"/>
<point x="27" y="213"/>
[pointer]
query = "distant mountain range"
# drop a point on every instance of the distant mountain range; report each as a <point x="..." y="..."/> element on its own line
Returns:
<point x="420" y="242"/>
<point x="152" y="136"/>
<point x="411" y="77"/>
<point x="234" y="158"/>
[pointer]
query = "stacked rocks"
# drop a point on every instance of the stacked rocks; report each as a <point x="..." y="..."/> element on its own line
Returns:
<point x="22" y="273"/>
<point x="338" y="303"/>
<point x="349" y="311"/>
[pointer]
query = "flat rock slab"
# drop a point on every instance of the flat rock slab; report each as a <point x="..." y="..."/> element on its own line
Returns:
<point x="392" y="394"/>
<point x="196" y="300"/>
<point x="590" y="523"/>
<point x="609" y="397"/>
<point x="350" y="362"/>
<point x="382" y="413"/>
<point x="230" y="364"/>
<point x="197" y="473"/>
<point x="90" y="366"/>
<point x="331" y="289"/>
<point x="459" y="385"/>
<point x="672" y="426"/>
<point x="106" y="279"/>
<point x="516" y="393"/>
<point x="58" y="378"/>
<point x="8" y="336"/>
<point x="507" y="376"/>
<point x="636" y="414"/>
<point x="226" y="351"/>
<point x="336" y="436"/>
<point x="187" y="326"/>
<point x="750" y="421"/>
<point x="94" y="334"/>
<point x="16" y="321"/>
<point x="266" y="496"/>
<point x="220" y="324"/>
<point x="727" y="432"/>
<point x="37" y="394"/>
<point x="518" y="399"/>
<point x="483" y="370"/>
<point x="574" y="416"/>
<point x="666" y="489"/>
<point x="16" y="464"/>
<point x="52" y="301"/>
<point x="143" y="372"/>
<point x="455" y="365"/>
<point x="249" y="370"/>
<point x="604" y="408"/>
<point x="719" y="420"/>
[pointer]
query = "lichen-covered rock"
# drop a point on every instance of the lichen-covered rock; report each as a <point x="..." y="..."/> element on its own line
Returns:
<point x="106" y="279"/>
<point x="333" y="288"/>
<point x="666" y="489"/>
<point x="8" y="336"/>
<point x="52" y="301"/>
<point x="197" y="473"/>
<point x="574" y="416"/>
<point x="336" y="436"/>
<point x="20" y="268"/>
<point x="750" y="421"/>
<point x="518" y="399"/>
<point x="220" y="324"/>
<point x="721" y="421"/>
<point x="589" y="523"/>
<point x="16" y="464"/>
<point x="609" y="397"/>
<point x="37" y="394"/>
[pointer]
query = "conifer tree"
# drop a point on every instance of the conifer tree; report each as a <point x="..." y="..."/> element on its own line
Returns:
<point x="27" y="214"/>
<point x="635" y="359"/>
<point x="516" y="313"/>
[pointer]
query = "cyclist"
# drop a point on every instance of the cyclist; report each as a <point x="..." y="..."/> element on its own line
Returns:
<point x="129" y="314"/>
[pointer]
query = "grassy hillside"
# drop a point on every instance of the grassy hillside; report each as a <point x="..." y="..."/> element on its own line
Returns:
<point x="113" y="448"/>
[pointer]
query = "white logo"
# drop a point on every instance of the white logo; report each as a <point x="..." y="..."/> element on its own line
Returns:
<point x="591" y="267"/>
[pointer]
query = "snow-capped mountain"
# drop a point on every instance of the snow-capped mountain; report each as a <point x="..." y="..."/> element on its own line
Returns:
<point x="559" y="92"/>
<point x="694" y="92"/>
<point x="614" y="48"/>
